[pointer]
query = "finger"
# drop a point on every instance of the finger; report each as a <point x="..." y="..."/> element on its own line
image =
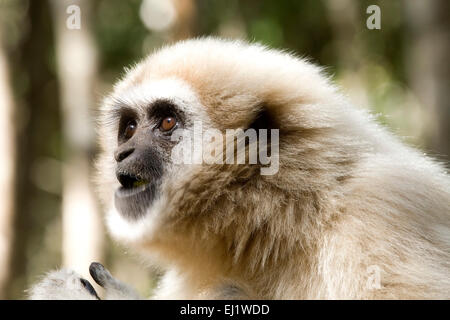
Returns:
<point x="101" y="275"/>
<point x="114" y="289"/>
<point x="87" y="285"/>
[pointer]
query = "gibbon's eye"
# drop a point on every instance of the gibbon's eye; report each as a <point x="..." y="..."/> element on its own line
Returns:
<point x="130" y="129"/>
<point x="167" y="124"/>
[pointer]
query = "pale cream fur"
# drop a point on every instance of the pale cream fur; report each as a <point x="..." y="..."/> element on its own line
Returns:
<point x="348" y="195"/>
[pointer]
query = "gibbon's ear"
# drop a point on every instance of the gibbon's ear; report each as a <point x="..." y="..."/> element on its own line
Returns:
<point x="263" y="120"/>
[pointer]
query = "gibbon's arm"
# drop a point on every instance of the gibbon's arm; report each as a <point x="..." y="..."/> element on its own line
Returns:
<point x="68" y="285"/>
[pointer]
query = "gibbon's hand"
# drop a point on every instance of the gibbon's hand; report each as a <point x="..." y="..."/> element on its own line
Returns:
<point x="114" y="289"/>
<point x="63" y="285"/>
<point x="68" y="285"/>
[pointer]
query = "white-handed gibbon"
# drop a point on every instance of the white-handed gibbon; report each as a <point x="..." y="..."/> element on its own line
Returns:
<point x="350" y="213"/>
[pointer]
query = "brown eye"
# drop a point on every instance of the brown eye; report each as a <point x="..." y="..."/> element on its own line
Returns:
<point x="167" y="124"/>
<point x="130" y="129"/>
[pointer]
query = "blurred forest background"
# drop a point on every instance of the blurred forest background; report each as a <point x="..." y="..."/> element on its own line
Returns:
<point x="53" y="78"/>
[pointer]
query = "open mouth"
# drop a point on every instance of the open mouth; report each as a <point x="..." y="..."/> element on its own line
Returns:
<point x="133" y="198"/>
<point x="130" y="182"/>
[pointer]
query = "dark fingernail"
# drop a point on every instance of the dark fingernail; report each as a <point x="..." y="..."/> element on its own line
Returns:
<point x="87" y="285"/>
<point x="98" y="273"/>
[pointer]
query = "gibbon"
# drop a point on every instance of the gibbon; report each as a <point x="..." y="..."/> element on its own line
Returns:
<point x="350" y="213"/>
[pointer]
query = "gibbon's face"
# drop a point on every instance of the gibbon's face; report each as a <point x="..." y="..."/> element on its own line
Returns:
<point x="144" y="147"/>
<point x="142" y="120"/>
<point x="148" y="184"/>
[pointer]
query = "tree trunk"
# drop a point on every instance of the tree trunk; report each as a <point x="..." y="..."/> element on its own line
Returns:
<point x="7" y="167"/>
<point x="36" y="122"/>
<point x="76" y="58"/>
<point x="429" y="71"/>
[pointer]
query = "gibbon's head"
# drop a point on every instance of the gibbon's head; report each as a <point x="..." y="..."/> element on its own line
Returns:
<point x="202" y="88"/>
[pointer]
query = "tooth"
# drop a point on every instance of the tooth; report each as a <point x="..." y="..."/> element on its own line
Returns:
<point x="139" y="183"/>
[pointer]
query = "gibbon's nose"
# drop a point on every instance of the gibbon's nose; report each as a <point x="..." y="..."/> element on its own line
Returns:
<point x="122" y="154"/>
